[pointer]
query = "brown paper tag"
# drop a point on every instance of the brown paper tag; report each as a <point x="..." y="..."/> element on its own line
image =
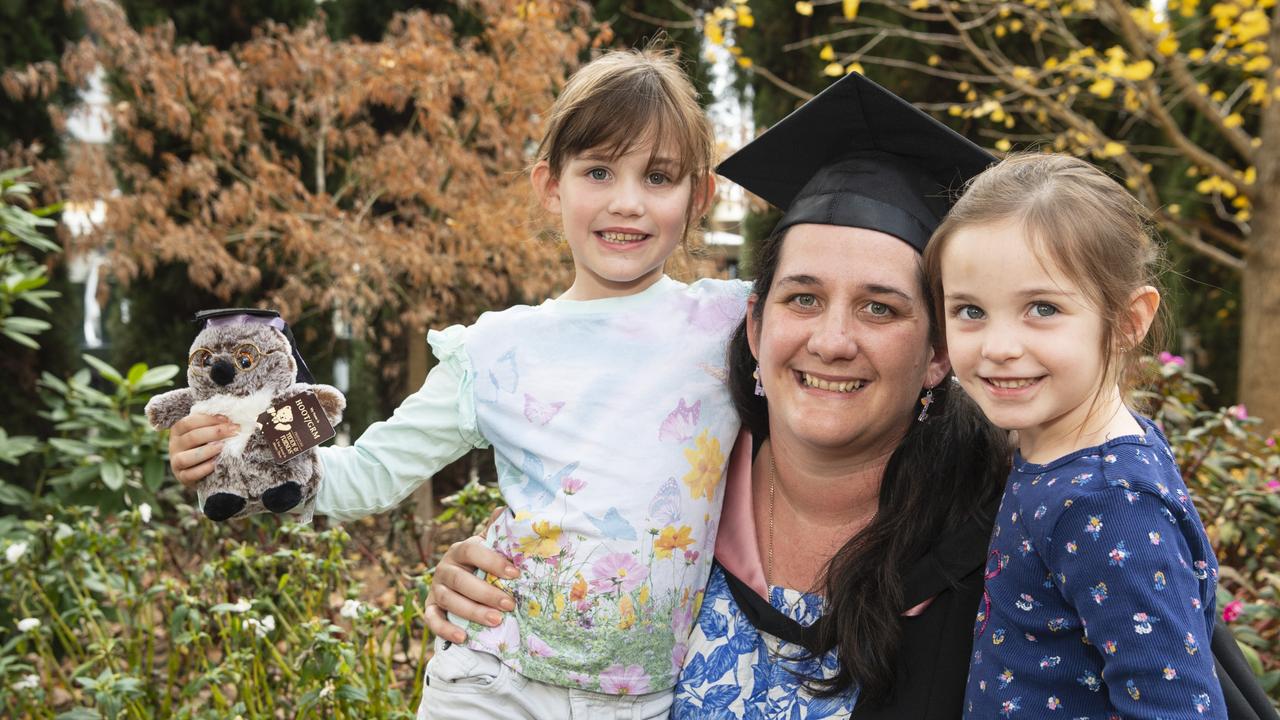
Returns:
<point x="294" y="425"/>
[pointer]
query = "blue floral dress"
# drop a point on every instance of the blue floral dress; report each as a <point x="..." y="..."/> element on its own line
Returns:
<point x="733" y="670"/>
<point x="1099" y="597"/>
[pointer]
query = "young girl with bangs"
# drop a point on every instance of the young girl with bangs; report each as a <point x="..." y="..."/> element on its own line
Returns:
<point x="1100" y="582"/>
<point x="607" y="411"/>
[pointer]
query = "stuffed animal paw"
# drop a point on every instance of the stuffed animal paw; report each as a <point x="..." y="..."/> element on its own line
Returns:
<point x="244" y="364"/>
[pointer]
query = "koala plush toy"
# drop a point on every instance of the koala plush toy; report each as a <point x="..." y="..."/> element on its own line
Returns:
<point x="244" y="363"/>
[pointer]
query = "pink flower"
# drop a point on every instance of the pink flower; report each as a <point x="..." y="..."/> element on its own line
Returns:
<point x="1239" y="412"/>
<point x="580" y="679"/>
<point x="680" y="423"/>
<point x="1168" y="358"/>
<point x="500" y="640"/>
<point x="1273" y="485"/>
<point x="1232" y="611"/>
<point x="617" y="572"/>
<point x="691" y="556"/>
<point x="1271" y="442"/>
<point x="571" y="485"/>
<point x="537" y="647"/>
<point x="677" y="658"/>
<point x="619" y="680"/>
<point x="682" y="620"/>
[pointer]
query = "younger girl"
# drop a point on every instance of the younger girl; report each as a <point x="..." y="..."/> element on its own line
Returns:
<point x="607" y="412"/>
<point x="1099" y="597"/>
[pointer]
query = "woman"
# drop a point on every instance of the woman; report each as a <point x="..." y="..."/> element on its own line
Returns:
<point x="859" y="504"/>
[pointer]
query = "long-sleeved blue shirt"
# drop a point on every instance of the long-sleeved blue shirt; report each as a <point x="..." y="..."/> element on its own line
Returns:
<point x="1099" y="598"/>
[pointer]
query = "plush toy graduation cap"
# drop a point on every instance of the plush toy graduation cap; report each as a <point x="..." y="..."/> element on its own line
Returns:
<point x="236" y="316"/>
<point x="857" y="155"/>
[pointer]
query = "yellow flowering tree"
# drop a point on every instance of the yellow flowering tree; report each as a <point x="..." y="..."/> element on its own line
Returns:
<point x="1179" y="102"/>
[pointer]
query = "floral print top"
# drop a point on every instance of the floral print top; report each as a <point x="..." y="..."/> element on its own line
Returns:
<point x="734" y="670"/>
<point x="610" y="422"/>
<point x="1099" y="599"/>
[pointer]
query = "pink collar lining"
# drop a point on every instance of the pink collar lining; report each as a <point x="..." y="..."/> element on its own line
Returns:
<point x="736" y="546"/>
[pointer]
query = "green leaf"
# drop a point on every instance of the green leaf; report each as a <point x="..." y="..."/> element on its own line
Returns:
<point x="178" y="620"/>
<point x="77" y="476"/>
<point x="75" y="448"/>
<point x="49" y="380"/>
<point x="353" y="693"/>
<point x="157" y="377"/>
<point x="80" y="713"/>
<point x="112" y="475"/>
<point x="12" y="448"/>
<point x="20" y="338"/>
<point x="10" y="177"/>
<point x="116" y="423"/>
<point x="27" y="325"/>
<point x="11" y="494"/>
<point x="135" y="373"/>
<point x="36" y="299"/>
<point x="103" y="369"/>
<point x="153" y="473"/>
<point x="1251" y="655"/>
<point x="34" y="279"/>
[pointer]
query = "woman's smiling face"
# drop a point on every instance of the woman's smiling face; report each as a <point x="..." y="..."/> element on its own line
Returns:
<point x="843" y="340"/>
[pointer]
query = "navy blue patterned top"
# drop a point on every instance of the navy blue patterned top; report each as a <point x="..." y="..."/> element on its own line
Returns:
<point x="1099" y="597"/>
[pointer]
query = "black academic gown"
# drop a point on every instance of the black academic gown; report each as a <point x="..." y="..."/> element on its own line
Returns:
<point x="933" y="664"/>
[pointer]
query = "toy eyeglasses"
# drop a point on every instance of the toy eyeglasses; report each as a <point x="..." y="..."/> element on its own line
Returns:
<point x="245" y="356"/>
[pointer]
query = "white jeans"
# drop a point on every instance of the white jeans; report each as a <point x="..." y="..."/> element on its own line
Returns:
<point x="463" y="684"/>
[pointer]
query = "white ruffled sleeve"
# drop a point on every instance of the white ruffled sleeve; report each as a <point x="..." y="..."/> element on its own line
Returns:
<point x="431" y="428"/>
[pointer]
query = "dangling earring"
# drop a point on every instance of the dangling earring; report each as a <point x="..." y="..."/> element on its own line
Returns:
<point x="759" y="387"/>
<point x="926" y="401"/>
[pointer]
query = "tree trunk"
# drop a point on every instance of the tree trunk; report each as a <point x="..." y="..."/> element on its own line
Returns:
<point x="1260" y="334"/>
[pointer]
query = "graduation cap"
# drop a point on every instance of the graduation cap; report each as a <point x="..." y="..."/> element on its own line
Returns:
<point x="857" y="155"/>
<point x="238" y="316"/>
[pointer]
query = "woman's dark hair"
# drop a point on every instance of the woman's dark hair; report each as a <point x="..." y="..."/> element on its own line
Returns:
<point x="945" y="473"/>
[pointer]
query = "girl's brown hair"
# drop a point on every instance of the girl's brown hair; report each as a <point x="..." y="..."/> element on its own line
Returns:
<point x="1083" y="223"/>
<point x="626" y="97"/>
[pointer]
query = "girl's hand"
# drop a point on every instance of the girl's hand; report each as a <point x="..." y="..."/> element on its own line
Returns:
<point x="194" y="444"/>
<point x="455" y="589"/>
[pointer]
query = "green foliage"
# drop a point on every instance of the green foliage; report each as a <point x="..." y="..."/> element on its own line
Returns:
<point x="1234" y="473"/>
<point x="22" y="288"/>
<point x="470" y="506"/>
<point x="22" y="277"/>
<point x="127" y="616"/>
<point x="104" y="452"/>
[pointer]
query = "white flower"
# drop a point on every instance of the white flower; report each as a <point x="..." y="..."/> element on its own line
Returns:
<point x="14" y="552"/>
<point x="28" y="624"/>
<point x="63" y="532"/>
<point x="28" y="682"/>
<point x="262" y="627"/>
<point x="241" y="606"/>
<point x="144" y="511"/>
<point x="327" y="690"/>
<point x="351" y="609"/>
